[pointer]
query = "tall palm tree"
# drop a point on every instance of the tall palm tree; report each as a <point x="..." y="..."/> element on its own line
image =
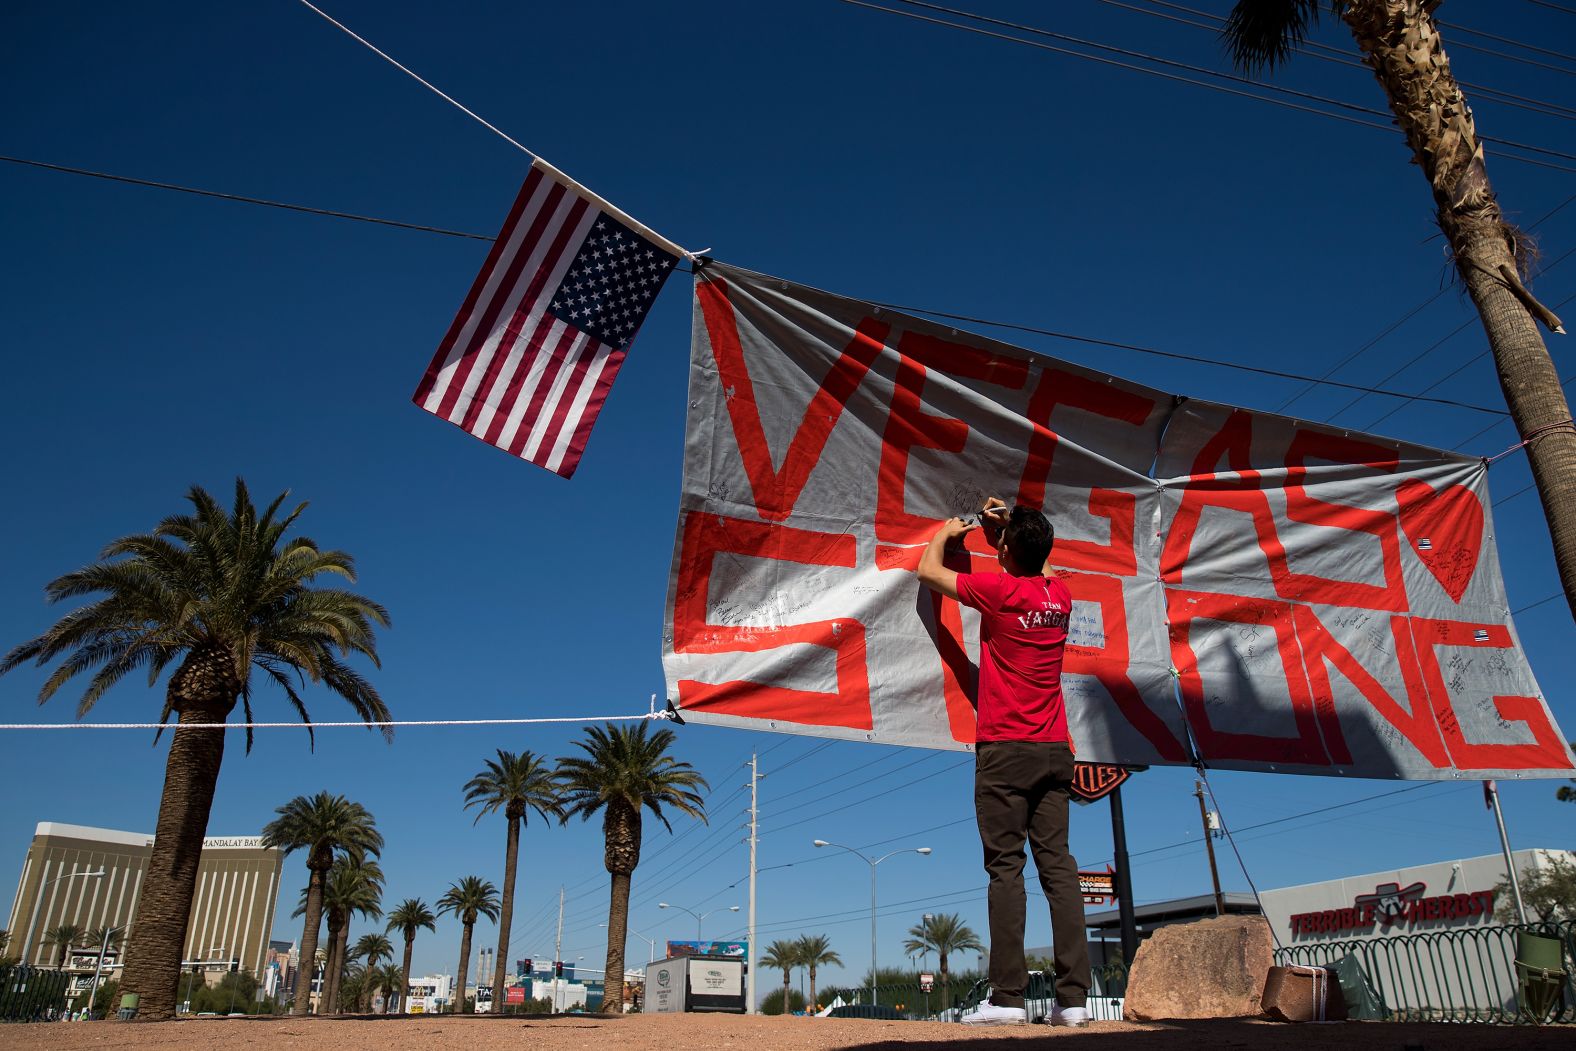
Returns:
<point x="815" y="950"/>
<point x="943" y="934"/>
<point x="1401" y="44"/>
<point x="408" y="917"/>
<point x="783" y="954"/>
<point x="216" y="594"/>
<point x="517" y="785"/>
<point x="353" y="888"/>
<point x="468" y="899"/>
<point x="63" y="936"/>
<point x="622" y="771"/>
<point x="372" y="950"/>
<point x="323" y="825"/>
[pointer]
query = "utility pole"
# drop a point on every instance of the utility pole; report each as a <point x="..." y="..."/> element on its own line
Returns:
<point x="749" y="971"/>
<point x="1209" y="844"/>
<point x="558" y="953"/>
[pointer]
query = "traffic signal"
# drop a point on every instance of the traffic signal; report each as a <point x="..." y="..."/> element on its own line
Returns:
<point x="525" y="966"/>
<point x="558" y="968"/>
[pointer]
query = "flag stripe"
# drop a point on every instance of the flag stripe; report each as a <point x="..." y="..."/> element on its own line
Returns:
<point x="446" y="351"/>
<point x="486" y="335"/>
<point x="565" y="386"/>
<point x="569" y="427"/>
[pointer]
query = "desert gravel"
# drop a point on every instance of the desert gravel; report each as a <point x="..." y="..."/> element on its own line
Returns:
<point x="736" y="1033"/>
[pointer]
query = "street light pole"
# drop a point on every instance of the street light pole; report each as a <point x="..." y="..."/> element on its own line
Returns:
<point x="32" y="926"/>
<point x="700" y="917"/>
<point x="923" y="851"/>
<point x="99" y="968"/>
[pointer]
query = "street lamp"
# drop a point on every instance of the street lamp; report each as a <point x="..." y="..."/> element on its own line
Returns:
<point x="873" y="862"/>
<point x="99" y="968"/>
<point x="699" y="917"/>
<point x="651" y="941"/>
<point x="32" y="926"/>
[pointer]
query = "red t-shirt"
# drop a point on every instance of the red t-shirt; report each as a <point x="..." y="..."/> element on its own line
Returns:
<point x="1023" y="631"/>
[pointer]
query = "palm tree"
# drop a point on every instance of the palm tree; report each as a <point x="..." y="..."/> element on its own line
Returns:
<point x="216" y="594"/>
<point x="785" y="955"/>
<point x="814" y="950"/>
<point x="387" y="978"/>
<point x="408" y="917"/>
<point x="1401" y="43"/>
<point x="322" y="825"/>
<point x="63" y="936"/>
<point x="353" y="888"/>
<point x="371" y="950"/>
<point x="943" y="934"/>
<point x="515" y="784"/>
<point x="105" y="937"/>
<point x="470" y="898"/>
<point x="623" y="770"/>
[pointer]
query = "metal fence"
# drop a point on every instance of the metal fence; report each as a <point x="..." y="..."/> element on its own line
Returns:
<point x="31" y="994"/>
<point x="1456" y="976"/>
<point x="1038" y="999"/>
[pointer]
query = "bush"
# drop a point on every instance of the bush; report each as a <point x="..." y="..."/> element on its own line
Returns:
<point x="773" y="1004"/>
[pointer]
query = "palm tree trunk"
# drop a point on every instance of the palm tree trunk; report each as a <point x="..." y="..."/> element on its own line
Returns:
<point x="787" y="980"/>
<point x="511" y="858"/>
<point x="617" y="934"/>
<point x="946" y="980"/>
<point x="341" y="961"/>
<point x="153" y="952"/>
<point x="810" y="1008"/>
<point x="465" y="959"/>
<point x="404" y="989"/>
<point x="309" y="931"/>
<point x="1403" y="47"/>
<point x="333" y="964"/>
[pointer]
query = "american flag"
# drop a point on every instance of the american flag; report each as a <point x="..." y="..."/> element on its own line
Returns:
<point x="528" y="361"/>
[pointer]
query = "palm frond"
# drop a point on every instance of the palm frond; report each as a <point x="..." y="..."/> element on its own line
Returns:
<point x="1263" y="34"/>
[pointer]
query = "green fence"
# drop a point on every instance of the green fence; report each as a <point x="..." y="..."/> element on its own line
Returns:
<point x="1456" y="976"/>
<point x="31" y="994"/>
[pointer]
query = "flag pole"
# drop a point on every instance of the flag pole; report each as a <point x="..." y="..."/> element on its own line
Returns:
<point x="1491" y="794"/>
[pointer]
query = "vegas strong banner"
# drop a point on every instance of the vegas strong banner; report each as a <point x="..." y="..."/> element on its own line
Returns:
<point x="1263" y="593"/>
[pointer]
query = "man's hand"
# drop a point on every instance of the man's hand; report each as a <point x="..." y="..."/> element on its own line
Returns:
<point x="993" y="518"/>
<point x="932" y="572"/>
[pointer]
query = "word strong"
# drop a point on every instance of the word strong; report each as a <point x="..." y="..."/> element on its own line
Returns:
<point x="1272" y="594"/>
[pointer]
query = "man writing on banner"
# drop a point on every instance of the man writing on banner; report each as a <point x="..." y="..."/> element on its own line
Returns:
<point x="1023" y="768"/>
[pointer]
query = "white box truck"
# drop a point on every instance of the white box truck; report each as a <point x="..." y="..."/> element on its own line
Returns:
<point x="695" y="983"/>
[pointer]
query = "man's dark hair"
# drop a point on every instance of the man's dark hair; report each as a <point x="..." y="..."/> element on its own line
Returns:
<point x="1028" y="536"/>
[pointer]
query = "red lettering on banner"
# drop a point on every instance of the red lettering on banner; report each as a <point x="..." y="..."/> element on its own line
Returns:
<point x="1319" y="646"/>
<point x="1110" y="663"/>
<point x="1547" y="750"/>
<point x="1300" y="507"/>
<point x="910" y="427"/>
<point x="1058" y="388"/>
<point x="776" y="490"/>
<point x="1183" y="608"/>
<point x="1207" y="487"/>
<point x="704" y="537"/>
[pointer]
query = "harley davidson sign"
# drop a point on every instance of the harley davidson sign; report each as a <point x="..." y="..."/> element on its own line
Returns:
<point x="1391" y="904"/>
<point x="1092" y="781"/>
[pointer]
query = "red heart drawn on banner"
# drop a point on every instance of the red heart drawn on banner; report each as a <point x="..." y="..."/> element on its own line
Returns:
<point x="1445" y="527"/>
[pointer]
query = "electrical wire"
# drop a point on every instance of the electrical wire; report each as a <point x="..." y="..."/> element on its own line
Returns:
<point x="1553" y="6"/>
<point x="1457" y="27"/>
<point x="1040" y="45"/>
<point x="239" y="198"/>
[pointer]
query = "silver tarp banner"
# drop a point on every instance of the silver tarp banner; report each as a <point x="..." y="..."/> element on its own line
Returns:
<point x="1252" y="590"/>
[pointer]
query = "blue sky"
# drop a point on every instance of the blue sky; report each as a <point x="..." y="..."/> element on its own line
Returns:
<point x="155" y="340"/>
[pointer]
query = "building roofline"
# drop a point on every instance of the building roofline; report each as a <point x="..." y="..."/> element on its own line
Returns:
<point x="1522" y="855"/>
<point x="136" y="839"/>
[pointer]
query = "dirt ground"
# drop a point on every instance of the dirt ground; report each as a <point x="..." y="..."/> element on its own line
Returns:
<point x="713" y="1032"/>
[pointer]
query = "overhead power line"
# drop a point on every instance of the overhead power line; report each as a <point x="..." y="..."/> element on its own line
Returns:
<point x="1458" y="28"/>
<point x="1326" y="53"/>
<point x="1553" y="6"/>
<point x="242" y="199"/>
<point x="1224" y="88"/>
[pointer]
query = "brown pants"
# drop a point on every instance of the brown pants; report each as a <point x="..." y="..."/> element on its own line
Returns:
<point x="1021" y="791"/>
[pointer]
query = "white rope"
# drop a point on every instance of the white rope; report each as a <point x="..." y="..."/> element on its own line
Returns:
<point x="338" y="725"/>
<point x="391" y="60"/>
<point x="456" y="103"/>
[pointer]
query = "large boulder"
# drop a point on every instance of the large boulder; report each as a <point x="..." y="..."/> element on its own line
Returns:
<point x="1207" y="969"/>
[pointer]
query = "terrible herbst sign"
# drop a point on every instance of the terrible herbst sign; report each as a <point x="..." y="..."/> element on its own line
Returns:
<point x="1276" y="594"/>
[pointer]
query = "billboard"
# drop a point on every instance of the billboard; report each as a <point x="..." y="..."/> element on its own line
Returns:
<point x="708" y="948"/>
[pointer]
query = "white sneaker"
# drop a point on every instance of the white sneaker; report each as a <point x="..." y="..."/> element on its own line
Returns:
<point x="988" y="1013"/>
<point x="1070" y="1016"/>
